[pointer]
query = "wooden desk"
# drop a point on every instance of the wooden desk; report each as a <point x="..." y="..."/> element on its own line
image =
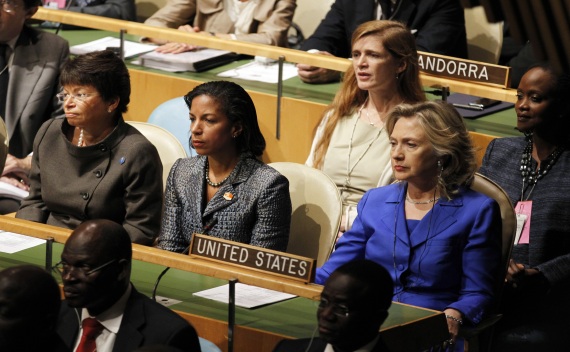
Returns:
<point x="407" y="328"/>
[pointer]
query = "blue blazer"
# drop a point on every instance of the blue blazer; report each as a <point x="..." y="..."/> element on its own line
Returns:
<point x="450" y="260"/>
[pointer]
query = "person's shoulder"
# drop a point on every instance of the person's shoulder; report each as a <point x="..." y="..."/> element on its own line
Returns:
<point x="156" y="313"/>
<point x="41" y="37"/>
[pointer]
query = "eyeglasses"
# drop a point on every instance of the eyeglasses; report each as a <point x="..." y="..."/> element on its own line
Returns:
<point x="8" y="6"/>
<point x="63" y="268"/>
<point x="339" y="310"/>
<point x="62" y="97"/>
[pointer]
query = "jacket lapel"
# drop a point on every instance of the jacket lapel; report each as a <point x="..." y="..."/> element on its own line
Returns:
<point x="395" y="220"/>
<point x="25" y="71"/>
<point x="404" y="11"/>
<point x="129" y="336"/>
<point x="436" y="221"/>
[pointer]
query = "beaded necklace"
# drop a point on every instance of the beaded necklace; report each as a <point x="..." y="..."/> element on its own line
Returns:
<point x="528" y="173"/>
<point x="214" y="184"/>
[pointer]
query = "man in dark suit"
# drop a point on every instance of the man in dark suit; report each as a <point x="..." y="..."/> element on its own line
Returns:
<point x="438" y="25"/>
<point x="30" y="62"/>
<point x="353" y="306"/>
<point x="95" y="269"/>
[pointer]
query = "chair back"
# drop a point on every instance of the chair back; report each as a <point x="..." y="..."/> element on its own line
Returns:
<point x="168" y="146"/>
<point x="317" y="211"/>
<point x="480" y="142"/>
<point x="484" y="39"/>
<point x="484" y="185"/>
<point x="172" y="115"/>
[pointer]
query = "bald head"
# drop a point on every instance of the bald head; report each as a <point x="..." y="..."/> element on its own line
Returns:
<point x="96" y="262"/>
<point x="30" y="301"/>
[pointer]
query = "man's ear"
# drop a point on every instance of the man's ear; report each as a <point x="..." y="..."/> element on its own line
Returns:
<point x="124" y="270"/>
<point x="31" y="11"/>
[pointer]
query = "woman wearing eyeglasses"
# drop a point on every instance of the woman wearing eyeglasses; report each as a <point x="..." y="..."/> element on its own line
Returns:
<point x="92" y="165"/>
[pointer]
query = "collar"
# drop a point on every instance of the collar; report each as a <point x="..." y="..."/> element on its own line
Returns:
<point x="112" y="317"/>
<point x="366" y="348"/>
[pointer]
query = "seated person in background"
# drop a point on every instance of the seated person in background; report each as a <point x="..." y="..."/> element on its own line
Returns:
<point x="30" y="63"/>
<point x="29" y="301"/>
<point x="225" y="191"/>
<point x="533" y="170"/>
<point x="438" y="25"/>
<point x="102" y="309"/>
<point x="263" y="22"/>
<point x="351" y="144"/>
<point x="439" y="239"/>
<point x="354" y="304"/>
<point x="92" y="164"/>
<point x="119" y="9"/>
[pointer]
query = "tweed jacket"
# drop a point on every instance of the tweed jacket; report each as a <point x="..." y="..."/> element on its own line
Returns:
<point x="438" y="25"/>
<point x="145" y="322"/>
<point x="119" y="178"/>
<point x="450" y="260"/>
<point x="316" y="345"/>
<point x="549" y="239"/>
<point x="252" y="207"/>
<point x="34" y="81"/>
<point x="271" y="19"/>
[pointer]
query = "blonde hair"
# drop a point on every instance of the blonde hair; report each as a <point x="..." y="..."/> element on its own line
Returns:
<point x="401" y="44"/>
<point x="446" y="132"/>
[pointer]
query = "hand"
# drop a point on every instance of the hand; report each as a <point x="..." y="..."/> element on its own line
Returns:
<point x="313" y="74"/>
<point x="519" y="276"/>
<point x="453" y="325"/>
<point x="16" y="181"/>
<point x="17" y="166"/>
<point x="175" y="48"/>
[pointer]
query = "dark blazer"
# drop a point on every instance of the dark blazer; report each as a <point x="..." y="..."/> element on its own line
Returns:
<point x="145" y="322"/>
<point x="119" y="179"/>
<point x="438" y="25"/>
<point x="253" y="206"/>
<point x="119" y="9"/>
<point x="34" y="81"/>
<point x="450" y="260"/>
<point x="317" y="345"/>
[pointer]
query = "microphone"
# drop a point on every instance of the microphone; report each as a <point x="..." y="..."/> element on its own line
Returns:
<point x="205" y="230"/>
<point x="67" y="6"/>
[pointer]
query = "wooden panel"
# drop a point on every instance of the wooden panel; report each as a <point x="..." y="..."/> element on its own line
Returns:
<point x="480" y="141"/>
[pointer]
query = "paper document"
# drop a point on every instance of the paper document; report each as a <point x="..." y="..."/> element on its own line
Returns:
<point x="13" y="242"/>
<point x="247" y="296"/>
<point x="131" y="48"/>
<point x="256" y="71"/>
<point x="10" y="191"/>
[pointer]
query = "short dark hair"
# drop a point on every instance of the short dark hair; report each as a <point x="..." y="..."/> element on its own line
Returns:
<point x="31" y="3"/>
<point x="237" y="105"/>
<point x="373" y="276"/>
<point x="103" y="70"/>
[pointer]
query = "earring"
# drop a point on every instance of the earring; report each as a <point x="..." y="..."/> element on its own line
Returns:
<point x="109" y="110"/>
<point x="397" y="77"/>
<point x="235" y="135"/>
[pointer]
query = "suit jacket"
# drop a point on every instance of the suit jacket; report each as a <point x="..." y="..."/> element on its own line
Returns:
<point x="253" y="206"/>
<point x="145" y="322"/>
<point x="34" y="81"/>
<point x="119" y="9"/>
<point x="119" y="178"/>
<point x="271" y="19"/>
<point x="439" y="25"/>
<point x="317" y="345"/>
<point x="450" y="260"/>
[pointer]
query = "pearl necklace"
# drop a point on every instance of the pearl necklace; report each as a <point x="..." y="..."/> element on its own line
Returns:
<point x="80" y="140"/>
<point x="214" y="184"/>
<point x="350" y="169"/>
<point x="529" y="174"/>
<point x="433" y="200"/>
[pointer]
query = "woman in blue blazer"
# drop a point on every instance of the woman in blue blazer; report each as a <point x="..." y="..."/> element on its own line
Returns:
<point x="439" y="239"/>
<point x="225" y="191"/>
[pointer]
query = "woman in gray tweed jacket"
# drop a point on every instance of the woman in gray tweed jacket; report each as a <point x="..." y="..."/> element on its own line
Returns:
<point x="225" y="191"/>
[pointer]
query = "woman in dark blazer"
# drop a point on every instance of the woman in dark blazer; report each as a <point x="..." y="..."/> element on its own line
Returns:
<point x="439" y="239"/>
<point x="225" y="191"/>
<point x="92" y="165"/>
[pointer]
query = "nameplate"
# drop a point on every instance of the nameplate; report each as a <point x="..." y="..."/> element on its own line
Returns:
<point x="467" y="70"/>
<point x="252" y="257"/>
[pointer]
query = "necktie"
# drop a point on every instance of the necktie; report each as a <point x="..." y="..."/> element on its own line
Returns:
<point x="386" y="6"/>
<point x="91" y="329"/>
<point x="4" y="78"/>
